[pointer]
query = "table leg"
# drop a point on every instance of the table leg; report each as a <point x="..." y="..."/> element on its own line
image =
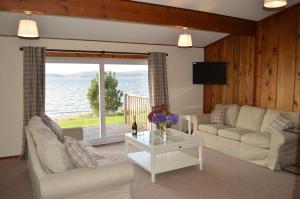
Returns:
<point x="200" y="158"/>
<point x="189" y="126"/>
<point x="152" y="167"/>
<point x="126" y="149"/>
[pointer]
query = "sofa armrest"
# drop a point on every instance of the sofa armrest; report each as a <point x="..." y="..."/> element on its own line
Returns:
<point x="281" y="138"/>
<point x="200" y="119"/>
<point x="86" y="180"/>
<point x="76" y="132"/>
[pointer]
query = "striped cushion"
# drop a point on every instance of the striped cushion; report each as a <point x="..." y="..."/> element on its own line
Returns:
<point x="218" y="116"/>
<point x="279" y="124"/>
<point x="54" y="127"/>
<point x="79" y="156"/>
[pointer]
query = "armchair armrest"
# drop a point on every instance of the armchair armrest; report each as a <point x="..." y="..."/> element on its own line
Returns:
<point x="86" y="180"/>
<point x="76" y="132"/>
<point x="200" y="119"/>
<point x="280" y="138"/>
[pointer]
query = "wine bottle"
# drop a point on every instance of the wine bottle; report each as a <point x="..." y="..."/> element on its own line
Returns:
<point x="134" y="126"/>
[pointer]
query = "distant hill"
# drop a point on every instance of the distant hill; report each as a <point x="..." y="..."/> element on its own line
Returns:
<point x="92" y="74"/>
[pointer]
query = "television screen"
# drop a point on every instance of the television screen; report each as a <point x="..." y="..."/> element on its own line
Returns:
<point x="209" y="72"/>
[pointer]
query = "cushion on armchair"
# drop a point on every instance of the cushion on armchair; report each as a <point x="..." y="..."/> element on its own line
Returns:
<point x="250" y="118"/>
<point x="234" y="133"/>
<point x="279" y="124"/>
<point x="78" y="154"/>
<point x="260" y="140"/>
<point x="217" y="116"/>
<point x="231" y="114"/>
<point x="56" y="129"/>
<point x="211" y="128"/>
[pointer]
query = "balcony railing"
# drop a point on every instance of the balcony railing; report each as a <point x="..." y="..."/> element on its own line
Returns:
<point x="138" y="106"/>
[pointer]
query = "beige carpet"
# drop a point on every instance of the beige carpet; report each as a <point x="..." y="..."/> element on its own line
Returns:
<point x="223" y="177"/>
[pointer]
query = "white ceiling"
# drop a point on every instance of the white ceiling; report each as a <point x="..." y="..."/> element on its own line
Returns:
<point x="91" y="29"/>
<point x="103" y="30"/>
<point x="246" y="9"/>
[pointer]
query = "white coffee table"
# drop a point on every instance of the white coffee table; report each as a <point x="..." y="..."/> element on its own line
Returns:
<point x="163" y="153"/>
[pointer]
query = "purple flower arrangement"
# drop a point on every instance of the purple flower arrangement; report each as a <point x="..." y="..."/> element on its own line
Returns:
<point x="160" y="119"/>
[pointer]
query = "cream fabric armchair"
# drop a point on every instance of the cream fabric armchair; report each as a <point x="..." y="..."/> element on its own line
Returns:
<point x="110" y="180"/>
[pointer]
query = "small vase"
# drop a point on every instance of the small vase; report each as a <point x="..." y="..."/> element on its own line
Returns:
<point x="163" y="128"/>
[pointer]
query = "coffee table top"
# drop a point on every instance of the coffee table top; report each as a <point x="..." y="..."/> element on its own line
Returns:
<point x="154" y="138"/>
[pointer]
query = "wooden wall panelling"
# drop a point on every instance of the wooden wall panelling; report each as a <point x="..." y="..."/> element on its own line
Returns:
<point x="243" y="61"/>
<point x="207" y="89"/>
<point x="236" y="70"/>
<point x="286" y="60"/>
<point x="228" y="55"/>
<point x="269" y="62"/>
<point x="250" y="71"/>
<point x="218" y="88"/>
<point x="258" y="58"/>
<point x="296" y="103"/>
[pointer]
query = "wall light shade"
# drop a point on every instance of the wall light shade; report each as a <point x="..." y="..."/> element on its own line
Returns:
<point x="185" y="40"/>
<point x="28" y="28"/>
<point x="274" y="3"/>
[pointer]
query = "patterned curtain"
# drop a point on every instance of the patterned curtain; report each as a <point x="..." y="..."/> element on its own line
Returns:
<point x="158" y="81"/>
<point x="33" y="87"/>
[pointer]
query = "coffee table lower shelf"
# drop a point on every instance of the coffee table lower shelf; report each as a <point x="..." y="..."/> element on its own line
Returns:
<point x="163" y="162"/>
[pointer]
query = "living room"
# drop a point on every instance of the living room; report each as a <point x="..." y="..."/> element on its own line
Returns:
<point x="257" y="44"/>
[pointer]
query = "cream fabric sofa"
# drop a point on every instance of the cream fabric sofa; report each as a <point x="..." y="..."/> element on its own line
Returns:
<point x="108" y="180"/>
<point x="244" y="135"/>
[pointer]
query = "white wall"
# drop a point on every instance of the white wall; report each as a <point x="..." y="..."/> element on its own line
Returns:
<point x="184" y="96"/>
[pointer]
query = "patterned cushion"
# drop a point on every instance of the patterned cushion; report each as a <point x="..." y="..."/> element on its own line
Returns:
<point x="279" y="124"/>
<point x="53" y="156"/>
<point x="218" y="116"/>
<point x="54" y="127"/>
<point x="79" y="156"/>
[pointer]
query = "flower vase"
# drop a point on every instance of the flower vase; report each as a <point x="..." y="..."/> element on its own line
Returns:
<point x="163" y="128"/>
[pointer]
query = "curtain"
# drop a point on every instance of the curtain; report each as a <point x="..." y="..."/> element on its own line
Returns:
<point x="158" y="81"/>
<point x="33" y="87"/>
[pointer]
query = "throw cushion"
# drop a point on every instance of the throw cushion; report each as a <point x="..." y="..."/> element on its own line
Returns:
<point x="53" y="156"/>
<point x="79" y="156"/>
<point x="54" y="127"/>
<point x="39" y="131"/>
<point x="250" y="118"/>
<point x="279" y="124"/>
<point x="218" y="116"/>
<point x="231" y="114"/>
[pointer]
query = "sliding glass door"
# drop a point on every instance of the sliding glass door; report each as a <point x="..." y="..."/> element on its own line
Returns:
<point x="101" y="96"/>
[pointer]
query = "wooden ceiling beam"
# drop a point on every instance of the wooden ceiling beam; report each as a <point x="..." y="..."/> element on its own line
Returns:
<point x="95" y="55"/>
<point x="137" y="12"/>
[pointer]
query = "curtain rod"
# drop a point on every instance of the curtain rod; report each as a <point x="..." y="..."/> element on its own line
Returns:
<point x="91" y="51"/>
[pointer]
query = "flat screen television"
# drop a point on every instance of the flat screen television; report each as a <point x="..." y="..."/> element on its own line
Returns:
<point x="209" y="72"/>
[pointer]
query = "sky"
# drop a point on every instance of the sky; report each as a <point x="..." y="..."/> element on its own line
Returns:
<point x="65" y="68"/>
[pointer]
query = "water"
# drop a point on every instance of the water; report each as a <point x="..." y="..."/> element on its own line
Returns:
<point x="67" y="95"/>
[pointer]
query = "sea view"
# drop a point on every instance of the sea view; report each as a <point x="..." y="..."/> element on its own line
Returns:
<point x="67" y="94"/>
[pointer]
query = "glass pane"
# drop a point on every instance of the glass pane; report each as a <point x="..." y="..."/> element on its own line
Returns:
<point x="67" y="96"/>
<point x="126" y="95"/>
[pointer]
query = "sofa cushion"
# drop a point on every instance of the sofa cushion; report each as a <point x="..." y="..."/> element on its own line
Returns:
<point x="260" y="140"/>
<point x="40" y="132"/>
<point x="217" y="116"/>
<point x="78" y="154"/>
<point x="55" y="128"/>
<point x="231" y="114"/>
<point x="234" y="133"/>
<point x="279" y="124"/>
<point x="53" y="156"/>
<point x="250" y="118"/>
<point x="211" y="128"/>
<point x="271" y="115"/>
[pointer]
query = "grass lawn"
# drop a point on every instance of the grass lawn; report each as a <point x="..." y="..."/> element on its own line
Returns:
<point x="88" y="120"/>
